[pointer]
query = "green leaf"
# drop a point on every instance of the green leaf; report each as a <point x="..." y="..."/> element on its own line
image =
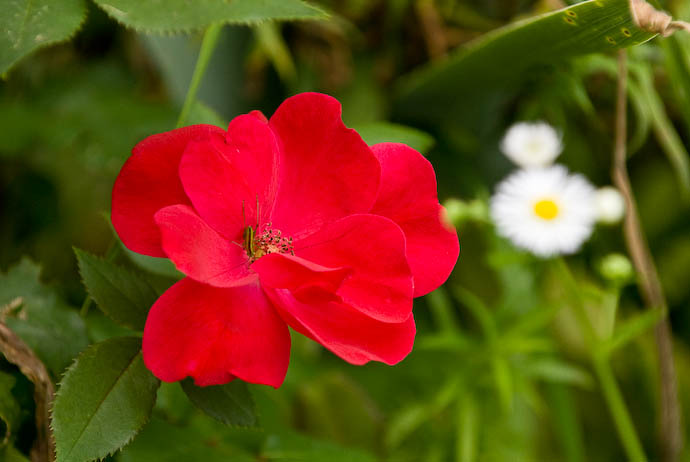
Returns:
<point x="557" y="371"/>
<point x="163" y="16"/>
<point x="502" y="57"/>
<point x="231" y="403"/>
<point x="27" y="25"/>
<point x="122" y="295"/>
<point x="162" y="441"/>
<point x="633" y="328"/>
<point x="381" y="132"/>
<point x="665" y="131"/>
<point x="10" y="454"/>
<point x="104" y="400"/>
<point x="203" y="114"/>
<point x="9" y="408"/>
<point x="155" y="265"/>
<point x="295" y="447"/>
<point x="53" y="331"/>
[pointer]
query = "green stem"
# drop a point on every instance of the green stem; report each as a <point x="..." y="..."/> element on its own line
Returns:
<point x="207" y="46"/>
<point x="619" y="412"/>
<point x="612" y="394"/>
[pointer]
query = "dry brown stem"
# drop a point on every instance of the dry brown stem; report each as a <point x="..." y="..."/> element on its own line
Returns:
<point x="653" y="20"/>
<point x="670" y="429"/>
<point x="19" y="354"/>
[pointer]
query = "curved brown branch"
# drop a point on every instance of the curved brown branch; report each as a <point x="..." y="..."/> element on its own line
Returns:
<point x="19" y="354"/>
<point x="670" y="427"/>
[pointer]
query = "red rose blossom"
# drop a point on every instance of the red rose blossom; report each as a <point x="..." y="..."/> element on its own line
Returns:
<point x="289" y="222"/>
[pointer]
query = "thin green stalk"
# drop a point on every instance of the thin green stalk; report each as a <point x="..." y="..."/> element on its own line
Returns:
<point x="619" y="412"/>
<point x="207" y="46"/>
<point x="612" y="394"/>
<point x="466" y="443"/>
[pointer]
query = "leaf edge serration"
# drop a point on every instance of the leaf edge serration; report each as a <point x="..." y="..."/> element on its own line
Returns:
<point x="84" y="354"/>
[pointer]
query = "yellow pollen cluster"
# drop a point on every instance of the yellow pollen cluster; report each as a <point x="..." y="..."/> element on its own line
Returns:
<point x="546" y="209"/>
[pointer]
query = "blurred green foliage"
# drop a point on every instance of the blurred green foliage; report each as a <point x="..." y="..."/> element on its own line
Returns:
<point x="500" y="370"/>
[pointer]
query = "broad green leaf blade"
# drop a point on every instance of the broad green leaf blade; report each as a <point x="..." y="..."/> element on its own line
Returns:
<point x="9" y="409"/>
<point x="381" y="132"/>
<point x="122" y="295"/>
<point x="27" y="25"/>
<point x="33" y="311"/>
<point x="231" y="403"/>
<point x="501" y="57"/>
<point x="165" y="16"/>
<point x="104" y="400"/>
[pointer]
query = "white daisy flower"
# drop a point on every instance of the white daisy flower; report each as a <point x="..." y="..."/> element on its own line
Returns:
<point x="545" y="210"/>
<point x="532" y="144"/>
<point x="610" y="205"/>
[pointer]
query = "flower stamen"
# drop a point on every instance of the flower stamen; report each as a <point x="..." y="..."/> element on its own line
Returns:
<point x="268" y="241"/>
<point x="546" y="209"/>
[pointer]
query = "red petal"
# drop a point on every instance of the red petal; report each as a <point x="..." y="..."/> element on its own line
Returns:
<point x="214" y="335"/>
<point x="347" y="332"/>
<point x="373" y="247"/>
<point x="199" y="252"/>
<point x="294" y="273"/>
<point x="408" y="196"/>
<point x="226" y="176"/>
<point x="326" y="171"/>
<point x="148" y="182"/>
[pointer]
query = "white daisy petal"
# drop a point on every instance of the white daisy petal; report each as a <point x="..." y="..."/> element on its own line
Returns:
<point x="545" y="210"/>
<point x="610" y="205"/>
<point x="532" y="144"/>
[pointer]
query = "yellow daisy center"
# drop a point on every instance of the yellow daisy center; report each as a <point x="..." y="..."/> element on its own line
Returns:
<point x="546" y="209"/>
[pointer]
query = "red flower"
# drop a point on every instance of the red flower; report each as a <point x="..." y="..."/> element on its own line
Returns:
<point x="293" y="221"/>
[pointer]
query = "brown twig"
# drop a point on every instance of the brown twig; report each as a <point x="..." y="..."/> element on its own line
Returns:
<point x="19" y="354"/>
<point x="670" y="432"/>
<point x="432" y="28"/>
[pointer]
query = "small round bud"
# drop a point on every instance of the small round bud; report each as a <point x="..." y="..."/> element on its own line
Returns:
<point x="532" y="144"/>
<point x="616" y="268"/>
<point x="610" y="205"/>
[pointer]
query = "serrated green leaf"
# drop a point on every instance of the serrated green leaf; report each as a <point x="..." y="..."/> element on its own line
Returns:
<point x="162" y="16"/>
<point x="382" y="132"/>
<point x="104" y="400"/>
<point x="122" y="295"/>
<point x="231" y="403"/>
<point x="27" y="25"/>
<point x="34" y="312"/>
<point x="501" y="58"/>
<point x="9" y="408"/>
